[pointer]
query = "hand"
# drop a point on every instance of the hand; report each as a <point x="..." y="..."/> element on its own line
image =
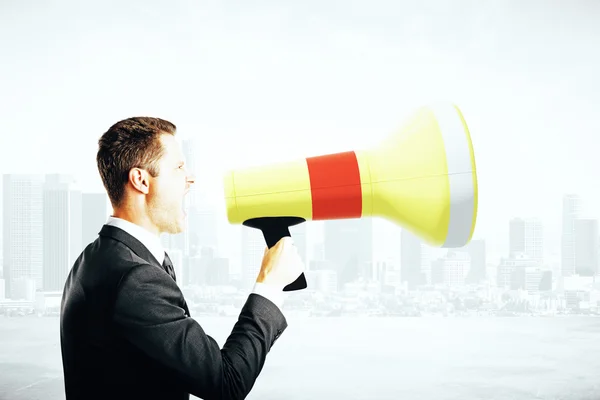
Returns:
<point x="281" y="264"/>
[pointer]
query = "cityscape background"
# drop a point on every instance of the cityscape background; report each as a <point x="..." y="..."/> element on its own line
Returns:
<point x="513" y="315"/>
<point x="47" y="221"/>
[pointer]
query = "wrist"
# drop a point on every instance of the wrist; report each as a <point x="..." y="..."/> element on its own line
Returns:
<point x="270" y="292"/>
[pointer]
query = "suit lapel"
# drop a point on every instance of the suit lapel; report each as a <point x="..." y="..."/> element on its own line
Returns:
<point x="136" y="246"/>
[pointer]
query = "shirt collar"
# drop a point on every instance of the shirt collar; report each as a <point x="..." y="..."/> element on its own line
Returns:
<point x="148" y="239"/>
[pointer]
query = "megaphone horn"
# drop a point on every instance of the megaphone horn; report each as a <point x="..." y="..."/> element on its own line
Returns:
<point x="422" y="178"/>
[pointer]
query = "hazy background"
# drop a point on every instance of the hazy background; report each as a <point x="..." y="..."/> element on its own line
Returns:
<point x="312" y="77"/>
<point x="255" y="82"/>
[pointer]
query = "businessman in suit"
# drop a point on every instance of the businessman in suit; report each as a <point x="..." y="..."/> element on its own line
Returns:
<point x="125" y="328"/>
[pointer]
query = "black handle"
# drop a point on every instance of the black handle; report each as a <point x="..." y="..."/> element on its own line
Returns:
<point x="273" y="229"/>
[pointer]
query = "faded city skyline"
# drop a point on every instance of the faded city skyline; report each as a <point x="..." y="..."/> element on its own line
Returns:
<point x="310" y="79"/>
<point x="263" y="82"/>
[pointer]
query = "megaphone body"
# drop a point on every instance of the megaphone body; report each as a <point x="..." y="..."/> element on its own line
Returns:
<point x="422" y="178"/>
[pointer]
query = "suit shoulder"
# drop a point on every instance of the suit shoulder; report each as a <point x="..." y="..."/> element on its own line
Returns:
<point x="113" y="254"/>
<point x="102" y="266"/>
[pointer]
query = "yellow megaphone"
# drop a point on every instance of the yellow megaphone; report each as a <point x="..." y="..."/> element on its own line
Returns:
<point x="422" y="178"/>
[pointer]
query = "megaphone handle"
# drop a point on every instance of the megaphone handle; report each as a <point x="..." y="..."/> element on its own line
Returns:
<point x="272" y="235"/>
<point x="273" y="229"/>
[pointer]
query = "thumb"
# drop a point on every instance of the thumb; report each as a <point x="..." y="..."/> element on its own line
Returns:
<point x="280" y="245"/>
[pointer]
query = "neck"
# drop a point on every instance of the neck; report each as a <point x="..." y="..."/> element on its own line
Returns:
<point x="136" y="217"/>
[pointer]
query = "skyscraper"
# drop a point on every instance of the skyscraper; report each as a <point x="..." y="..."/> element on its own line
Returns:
<point x="414" y="260"/>
<point x="23" y="233"/>
<point x="478" y="267"/>
<point x="586" y="246"/>
<point x="526" y="236"/>
<point x="62" y="229"/>
<point x="348" y="244"/>
<point x="571" y="211"/>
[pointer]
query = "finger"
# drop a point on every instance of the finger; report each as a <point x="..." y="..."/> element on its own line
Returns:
<point x="278" y="248"/>
<point x="283" y="243"/>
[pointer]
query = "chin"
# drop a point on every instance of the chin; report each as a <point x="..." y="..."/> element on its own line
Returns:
<point x="176" y="226"/>
<point x="175" y="229"/>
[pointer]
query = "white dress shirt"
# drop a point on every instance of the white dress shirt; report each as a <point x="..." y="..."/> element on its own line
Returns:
<point x="153" y="244"/>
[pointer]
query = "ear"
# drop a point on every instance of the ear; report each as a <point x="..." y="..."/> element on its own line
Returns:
<point x="140" y="180"/>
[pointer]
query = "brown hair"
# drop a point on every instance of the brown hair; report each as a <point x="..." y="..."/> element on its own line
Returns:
<point x="130" y="143"/>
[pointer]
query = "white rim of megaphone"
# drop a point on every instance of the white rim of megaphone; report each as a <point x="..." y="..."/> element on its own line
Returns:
<point x="460" y="173"/>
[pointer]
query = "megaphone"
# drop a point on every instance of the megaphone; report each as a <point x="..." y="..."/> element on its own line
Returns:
<point x="422" y="178"/>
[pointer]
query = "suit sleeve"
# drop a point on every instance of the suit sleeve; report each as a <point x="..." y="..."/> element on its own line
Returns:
<point x="147" y="313"/>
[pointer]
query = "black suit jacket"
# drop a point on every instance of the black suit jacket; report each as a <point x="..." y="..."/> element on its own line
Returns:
<point x="126" y="331"/>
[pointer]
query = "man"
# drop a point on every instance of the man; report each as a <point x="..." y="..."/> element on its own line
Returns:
<point x="126" y="331"/>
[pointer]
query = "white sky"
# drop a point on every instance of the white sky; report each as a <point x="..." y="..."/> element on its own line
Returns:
<point x="309" y="78"/>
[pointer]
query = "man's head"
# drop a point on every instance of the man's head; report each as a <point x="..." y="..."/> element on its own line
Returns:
<point x="142" y="168"/>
